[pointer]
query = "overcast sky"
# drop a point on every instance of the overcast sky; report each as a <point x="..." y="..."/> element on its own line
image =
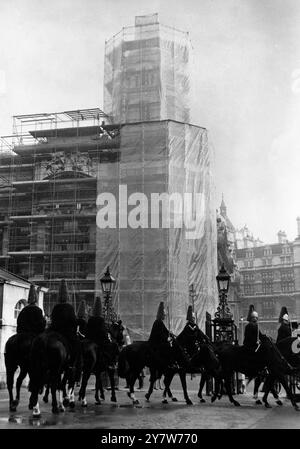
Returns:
<point x="246" y="92"/>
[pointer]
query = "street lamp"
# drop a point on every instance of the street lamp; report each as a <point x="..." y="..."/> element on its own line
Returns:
<point x="223" y="280"/>
<point x="108" y="283"/>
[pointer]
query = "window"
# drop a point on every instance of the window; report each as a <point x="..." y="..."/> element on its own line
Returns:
<point x="18" y="307"/>
<point x="267" y="251"/>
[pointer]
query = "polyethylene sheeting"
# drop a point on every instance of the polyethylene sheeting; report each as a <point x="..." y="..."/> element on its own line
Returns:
<point x="159" y="264"/>
<point x="147" y="74"/>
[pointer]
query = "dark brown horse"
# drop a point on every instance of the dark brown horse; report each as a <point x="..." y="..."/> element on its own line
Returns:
<point x="49" y="360"/>
<point x="17" y="355"/>
<point x="97" y="360"/>
<point x="237" y="359"/>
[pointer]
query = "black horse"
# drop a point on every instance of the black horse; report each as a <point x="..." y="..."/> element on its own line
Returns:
<point x="98" y="360"/>
<point x="49" y="360"/>
<point x="290" y="350"/>
<point x="136" y="356"/>
<point x="17" y="354"/>
<point x="238" y="359"/>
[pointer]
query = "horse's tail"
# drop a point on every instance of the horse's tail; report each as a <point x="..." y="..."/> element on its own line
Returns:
<point x="123" y="365"/>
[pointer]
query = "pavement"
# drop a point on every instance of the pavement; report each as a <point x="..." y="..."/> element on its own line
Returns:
<point x="154" y="414"/>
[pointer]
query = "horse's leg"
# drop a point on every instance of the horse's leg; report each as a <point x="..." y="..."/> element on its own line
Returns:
<point x="167" y="391"/>
<point x="53" y="387"/>
<point x="82" y="392"/>
<point x="46" y="395"/>
<point x="101" y="389"/>
<point x="151" y="385"/>
<point x="201" y="385"/>
<point x="111" y="375"/>
<point x="283" y="381"/>
<point x="97" y="388"/>
<point x="19" y="382"/>
<point x="182" y="375"/>
<point x="257" y="382"/>
<point x="34" y="403"/>
<point x="275" y="395"/>
<point x="227" y="380"/>
<point x="10" y="374"/>
<point x="131" y="380"/>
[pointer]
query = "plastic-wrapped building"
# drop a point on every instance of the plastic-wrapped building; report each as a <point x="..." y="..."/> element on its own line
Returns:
<point x="56" y="165"/>
<point x="147" y="88"/>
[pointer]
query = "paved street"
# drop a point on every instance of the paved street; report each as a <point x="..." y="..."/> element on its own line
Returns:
<point x="154" y="415"/>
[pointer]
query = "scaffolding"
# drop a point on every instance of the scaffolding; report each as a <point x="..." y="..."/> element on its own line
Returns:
<point x="48" y="172"/>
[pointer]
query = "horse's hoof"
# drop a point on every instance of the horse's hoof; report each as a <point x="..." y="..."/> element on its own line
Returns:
<point x="36" y="415"/>
<point x="55" y="410"/>
<point x="61" y="408"/>
<point x="71" y="404"/>
<point x="236" y="403"/>
<point x="136" y="402"/>
<point x="213" y="398"/>
<point x="66" y="402"/>
<point x="174" y="400"/>
<point x="113" y="399"/>
<point x="102" y="397"/>
<point x="258" y="402"/>
<point x="45" y="399"/>
<point x="297" y="408"/>
<point x="202" y="401"/>
<point x="267" y="405"/>
<point x="164" y="401"/>
<point x="12" y="408"/>
<point x="279" y="402"/>
<point x="188" y="402"/>
<point x="97" y="402"/>
<point x="147" y="396"/>
<point x="84" y="404"/>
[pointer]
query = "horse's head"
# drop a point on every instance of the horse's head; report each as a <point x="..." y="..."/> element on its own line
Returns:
<point x="116" y="331"/>
<point x="273" y="357"/>
<point x="206" y="358"/>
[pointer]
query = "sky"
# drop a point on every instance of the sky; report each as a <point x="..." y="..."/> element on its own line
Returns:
<point x="246" y="91"/>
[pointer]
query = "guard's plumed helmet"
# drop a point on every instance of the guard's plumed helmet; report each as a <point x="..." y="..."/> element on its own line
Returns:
<point x="283" y="315"/>
<point x="160" y="311"/>
<point x="63" y="294"/>
<point x="97" y="309"/>
<point x="82" y="312"/>
<point x="32" y="295"/>
<point x="190" y="316"/>
<point x="251" y="313"/>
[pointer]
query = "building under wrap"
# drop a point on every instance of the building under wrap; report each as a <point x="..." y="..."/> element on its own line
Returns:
<point x="153" y="265"/>
<point x="52" y="175"/>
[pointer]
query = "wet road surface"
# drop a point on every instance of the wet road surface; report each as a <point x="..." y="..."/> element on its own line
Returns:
<point x="154" y="414"/>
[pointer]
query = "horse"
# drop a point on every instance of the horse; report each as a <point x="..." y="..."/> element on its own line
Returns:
<point x="290" y="349"/>
<point x="49" y="360"/>
<point x="235" y="358"/>
<point x="16" y="354"/>
<point x="134" y="357"/>
<point x="96" y="361"/>
<point x="204" y="357"/>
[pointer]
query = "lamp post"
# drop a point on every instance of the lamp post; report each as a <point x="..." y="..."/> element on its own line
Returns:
<point x="223" y="280"/>
<point x="108" y="283"/>
<point x="242" y="321"/>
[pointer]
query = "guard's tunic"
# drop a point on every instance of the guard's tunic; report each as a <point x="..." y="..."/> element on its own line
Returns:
<point x="251" y="336"/>
<point x="31" y="320"/>
<point x="284" y="331"/>
<point x="96" y="330"/>
<point x="159" y="334"/>
<point x="189" y="336"/>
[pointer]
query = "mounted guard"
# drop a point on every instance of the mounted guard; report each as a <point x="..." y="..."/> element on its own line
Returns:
<point x="252" y="335"/>
<point x="31" y="319"/>
<point x="284" y="330"/>
<point x="64" y="321"/>
<point x="191" y="335"/>
<point x="160" y="340"/>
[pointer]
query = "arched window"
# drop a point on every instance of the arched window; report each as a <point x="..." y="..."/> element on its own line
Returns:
<point x="18" y="307"/>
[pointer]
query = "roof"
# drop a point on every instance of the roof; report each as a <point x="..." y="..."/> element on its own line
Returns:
<point x="7" y="276"/>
